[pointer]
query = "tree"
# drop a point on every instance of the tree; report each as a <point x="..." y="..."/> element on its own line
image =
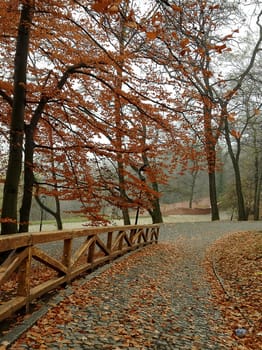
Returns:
<point x="244" y="136"/>
<point x="189" y="43"/>
<point x="230" y="131"/>
<point x="108" y="82"/>
<point x="127" y="103"/>
<point x="193" y="47"/>
<point x="58" y="63"/>
<point x="9" y="206"/>
<point x="35" y="98"/>
<point x="55" y="191"/>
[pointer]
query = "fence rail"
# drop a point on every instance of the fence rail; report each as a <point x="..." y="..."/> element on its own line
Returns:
<point x="79" y="251"/>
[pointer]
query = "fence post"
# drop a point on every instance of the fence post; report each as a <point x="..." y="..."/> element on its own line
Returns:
<point x="91" y="251"/>
<point x="24" y="272"/>
<point x="67" y="255"/>
<point x="109" y="240"/>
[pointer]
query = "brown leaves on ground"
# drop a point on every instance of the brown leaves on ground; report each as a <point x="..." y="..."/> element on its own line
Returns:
<point x="234" y="265"/>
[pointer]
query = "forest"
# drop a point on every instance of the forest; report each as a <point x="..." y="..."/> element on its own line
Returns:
<point x="120" y="105"/>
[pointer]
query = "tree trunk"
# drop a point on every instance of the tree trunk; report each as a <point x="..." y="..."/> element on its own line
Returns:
<point x="123" y="196"/>
<point x="126" y="216"/>
<point x="28" y="181"/>
<point x="156" y="211"/>
<point x="59" y="223"/>
<point x="257" y="198"/>
<point x="258" y="183"/>
<point x="156" y="214"/>
<point x="242" y="213"/>
<point x="14" y="167"/>
<point x="213" y="196"/>
<point x="210" y="148"/>
<point x="192" y="187"/>
<point x="57" y="214"/>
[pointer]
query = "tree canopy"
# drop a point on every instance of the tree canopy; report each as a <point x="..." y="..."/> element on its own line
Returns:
<point x="101" y="100"/>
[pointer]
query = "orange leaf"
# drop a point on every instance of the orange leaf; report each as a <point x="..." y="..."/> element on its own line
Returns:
<point x="109" y="6"/>
<point x="256" y="111"/>
<point x="174" y="35"/>
<point x="131" y="24"/>
<point x="220" y="48"/>
<point x="235" y="134"/>
<point x="177" y="8"/>
<point x="100" y="6"/>
<point x="184" y="42"/>
<point x="231" y="117"/>
<point x="151" y="35"/>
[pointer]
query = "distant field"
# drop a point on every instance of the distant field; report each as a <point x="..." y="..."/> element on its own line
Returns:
<point x="172" y="213"/>
<point x="50" y="226"/>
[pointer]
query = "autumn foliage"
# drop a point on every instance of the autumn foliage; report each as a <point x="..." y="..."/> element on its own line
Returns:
<point x="92" y="92"/>
<point x="85" y="108"/>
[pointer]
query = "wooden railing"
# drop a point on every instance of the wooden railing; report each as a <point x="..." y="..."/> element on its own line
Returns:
<point x="80" y="251"/>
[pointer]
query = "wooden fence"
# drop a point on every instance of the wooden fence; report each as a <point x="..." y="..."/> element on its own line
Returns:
<point x="79" y="250"/>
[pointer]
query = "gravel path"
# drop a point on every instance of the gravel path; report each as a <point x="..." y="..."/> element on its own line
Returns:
<point x="156" y="298"/>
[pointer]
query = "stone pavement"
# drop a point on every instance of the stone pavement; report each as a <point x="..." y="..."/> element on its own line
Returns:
<point x="156" y="298"/>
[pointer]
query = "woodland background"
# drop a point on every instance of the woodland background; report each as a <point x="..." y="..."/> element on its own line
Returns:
<point x="108" y="107"/>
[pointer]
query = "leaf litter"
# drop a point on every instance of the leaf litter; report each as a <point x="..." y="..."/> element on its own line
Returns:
<point x="135" y="314"/>
<point x="234" y="266"/>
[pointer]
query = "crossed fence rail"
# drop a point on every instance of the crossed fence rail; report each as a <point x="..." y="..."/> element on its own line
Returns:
<point x="79" y="250"/>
